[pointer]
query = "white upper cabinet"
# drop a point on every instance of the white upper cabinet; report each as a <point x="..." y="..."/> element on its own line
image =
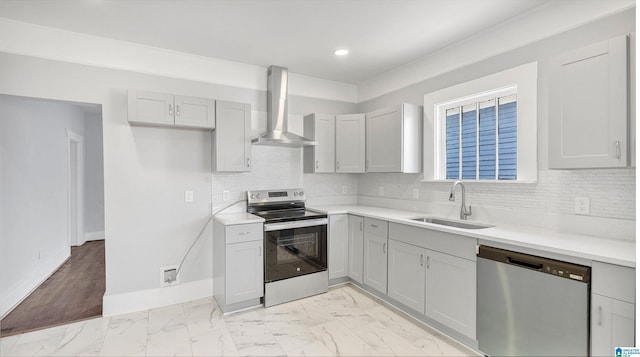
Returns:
<point x="231" y="141"/>
<point x="394" y="139"/>
<point x="166" y="109"/>
<point x="350" y="143"/>
<point x="322" y="129"/>
<point x="588" y="107"/>
<point x="194" y="112"/>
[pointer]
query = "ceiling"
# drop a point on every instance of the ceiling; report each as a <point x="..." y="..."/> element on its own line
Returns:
<point x="298" y="34"/>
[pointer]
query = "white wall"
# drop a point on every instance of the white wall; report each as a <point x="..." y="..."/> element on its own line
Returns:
<point x="93" y="177"/>
<point x="549" y="202"/>
<point x="34" y="192"/>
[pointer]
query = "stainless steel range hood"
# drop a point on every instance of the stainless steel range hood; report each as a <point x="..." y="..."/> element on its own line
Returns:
<point x="277" y="113"/>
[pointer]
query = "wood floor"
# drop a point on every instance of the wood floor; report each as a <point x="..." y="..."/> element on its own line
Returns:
<point x="73" y="293"/>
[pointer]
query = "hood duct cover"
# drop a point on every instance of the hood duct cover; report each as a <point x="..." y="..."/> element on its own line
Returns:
<point x="277" y="113"/>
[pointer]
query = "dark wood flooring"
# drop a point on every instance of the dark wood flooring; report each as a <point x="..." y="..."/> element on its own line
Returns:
<point x="73" y="293"/>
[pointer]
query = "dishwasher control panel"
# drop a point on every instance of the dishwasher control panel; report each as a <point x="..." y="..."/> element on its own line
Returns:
<point x="558" y="268"/>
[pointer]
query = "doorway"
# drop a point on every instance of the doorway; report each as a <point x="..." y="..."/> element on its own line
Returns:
<point x="51" y="212"/>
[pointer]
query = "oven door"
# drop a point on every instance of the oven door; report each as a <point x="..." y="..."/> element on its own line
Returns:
<point x="294" y="248"/>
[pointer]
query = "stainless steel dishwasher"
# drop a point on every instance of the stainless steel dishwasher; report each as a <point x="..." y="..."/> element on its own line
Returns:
<point x="531" y="306"/>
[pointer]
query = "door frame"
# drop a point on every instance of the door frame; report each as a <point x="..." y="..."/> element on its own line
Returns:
<point x="74" y="138"/>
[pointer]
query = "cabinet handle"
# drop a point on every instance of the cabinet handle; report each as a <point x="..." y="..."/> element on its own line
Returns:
<point x="177" y="110"/>
<point x="317" y="164"/>
<point x="384" y="248"/>
<point x="259" y="251"/>
<point x="374" y="225"/>
<point x="421" y="260"/>
<point x="366" y="165"/>
<point x="337" y="165"/>
<point x="428" y="262"/>
<point x="600" y="315"/>
<point x="248" y="162"/>
<point x="618" y="150"/>
<point x="360" y="226"/>
<point x="243" y="233"/>
<point x="170" y="109"/>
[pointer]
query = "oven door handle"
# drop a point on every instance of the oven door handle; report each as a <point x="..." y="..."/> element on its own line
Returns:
<point x="295" y="224"/>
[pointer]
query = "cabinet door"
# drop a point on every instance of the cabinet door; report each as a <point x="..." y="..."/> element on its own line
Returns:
<point x="194" y="112"/>
<point x="588" y="117"/>
<point x="451" y="292"/>
<point x="356" y="241"/>
<point x="612" y="325"/>
<point x="407" y="274"/>
<point x="375" y="262"/>
<point x="338" y="245"/>
<point x="350" y="143"/>
<point x="320" y="128"/>
<point x="244" y="271"/>
<point x="232" y="137"/>
<point x="384" y="140"/>
<point x="150" y="107"/>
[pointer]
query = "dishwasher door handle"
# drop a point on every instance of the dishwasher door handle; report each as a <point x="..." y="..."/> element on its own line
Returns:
<point x="522" y="263"/>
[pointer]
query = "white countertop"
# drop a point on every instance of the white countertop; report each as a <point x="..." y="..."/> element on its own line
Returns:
<point x="572" y="245"/>
<point x="229" y="219"/>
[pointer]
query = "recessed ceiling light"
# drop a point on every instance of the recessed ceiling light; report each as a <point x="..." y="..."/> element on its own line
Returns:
<point x="341" y="52"/>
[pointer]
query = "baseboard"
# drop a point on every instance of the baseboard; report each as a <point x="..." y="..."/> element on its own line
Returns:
<point x="20" y="291"/>
<point x="116" y="304"/>
<point x="88" y="236"/>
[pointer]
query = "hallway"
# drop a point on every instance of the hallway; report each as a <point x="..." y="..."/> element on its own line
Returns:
<point x="73" y="293"/>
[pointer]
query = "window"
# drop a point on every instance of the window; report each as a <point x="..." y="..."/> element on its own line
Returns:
<point x="484" y="129"/>
<point x="480" y="139"/>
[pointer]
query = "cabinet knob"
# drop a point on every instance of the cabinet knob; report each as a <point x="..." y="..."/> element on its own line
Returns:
<point x="170" y="109"/>
<point x="177" y="110"/>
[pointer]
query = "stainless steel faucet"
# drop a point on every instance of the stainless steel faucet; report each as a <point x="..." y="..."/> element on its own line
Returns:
<point x="452" y="197"/>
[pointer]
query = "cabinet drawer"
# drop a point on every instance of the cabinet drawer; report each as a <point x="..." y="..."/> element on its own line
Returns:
<point x="243" y="233"/>
<point x="376" y="226"/>
<point x="453" y="244"/>
<point x="613" y="281"/>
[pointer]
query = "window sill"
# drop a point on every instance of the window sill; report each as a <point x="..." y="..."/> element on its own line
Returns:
<point x="508" y="182"/>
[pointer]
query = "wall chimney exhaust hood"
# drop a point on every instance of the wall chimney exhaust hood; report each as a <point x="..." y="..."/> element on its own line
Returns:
<point x="277" y="113"/>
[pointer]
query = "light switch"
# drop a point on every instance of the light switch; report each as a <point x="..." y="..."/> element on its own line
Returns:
<point x="188" y="196"/>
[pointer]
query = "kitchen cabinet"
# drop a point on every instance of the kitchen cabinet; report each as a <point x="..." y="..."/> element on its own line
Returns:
<point x="407" y="274"/>
<point x="350" y="143"/>
<point x="375" y="247"/>
<point x="338" y="245"/>
<point x="451" y="292"/>
<point x="170" y="110"/>
<point x="612" y="308"/>
<point x="320" y="128"/>
<point x="356" y="246"/>
<point x="588" y="107"/>
<point x="231" y="140"/>
<point x="394" y="139"/>
<point x="449" y="271"/>
<point x="239" y="272"/>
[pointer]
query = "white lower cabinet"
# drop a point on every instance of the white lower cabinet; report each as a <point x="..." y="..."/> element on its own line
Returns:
<point x="338" y="245"/>
<point x="451" y="292"/>
<point x="356" y="246"/>
<point x="238" y="265"/>
<point x="612" y="308"/>
<point x="407" y="274"/>
<point x="374" y="272"/>
<point x="245" y="280"/>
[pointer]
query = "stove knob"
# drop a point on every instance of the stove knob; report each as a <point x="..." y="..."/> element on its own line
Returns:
<point x="257" y="196"/>
<point x="301" y="193"/>
<point x="295" y="194"/>
<point x="252" y="196"/>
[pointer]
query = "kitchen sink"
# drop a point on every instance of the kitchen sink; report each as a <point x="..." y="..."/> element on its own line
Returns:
<point x="451" y="223"/>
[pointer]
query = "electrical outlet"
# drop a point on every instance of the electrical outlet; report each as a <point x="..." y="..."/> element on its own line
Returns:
<point x="381" y="191"/>
<point x="582" y="205"/>
<point x="188" y="196"/>
<point x="169" y="276"/>
<point x="225" y="195"/>
<point x="416" y="194"/>
<point x="345" y="189"/>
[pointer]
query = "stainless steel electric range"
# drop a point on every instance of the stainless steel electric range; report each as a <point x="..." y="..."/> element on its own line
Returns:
<point x="295" y="244"/>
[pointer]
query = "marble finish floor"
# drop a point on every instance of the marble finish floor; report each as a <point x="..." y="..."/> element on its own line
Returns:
<point x="343" y="322"/>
